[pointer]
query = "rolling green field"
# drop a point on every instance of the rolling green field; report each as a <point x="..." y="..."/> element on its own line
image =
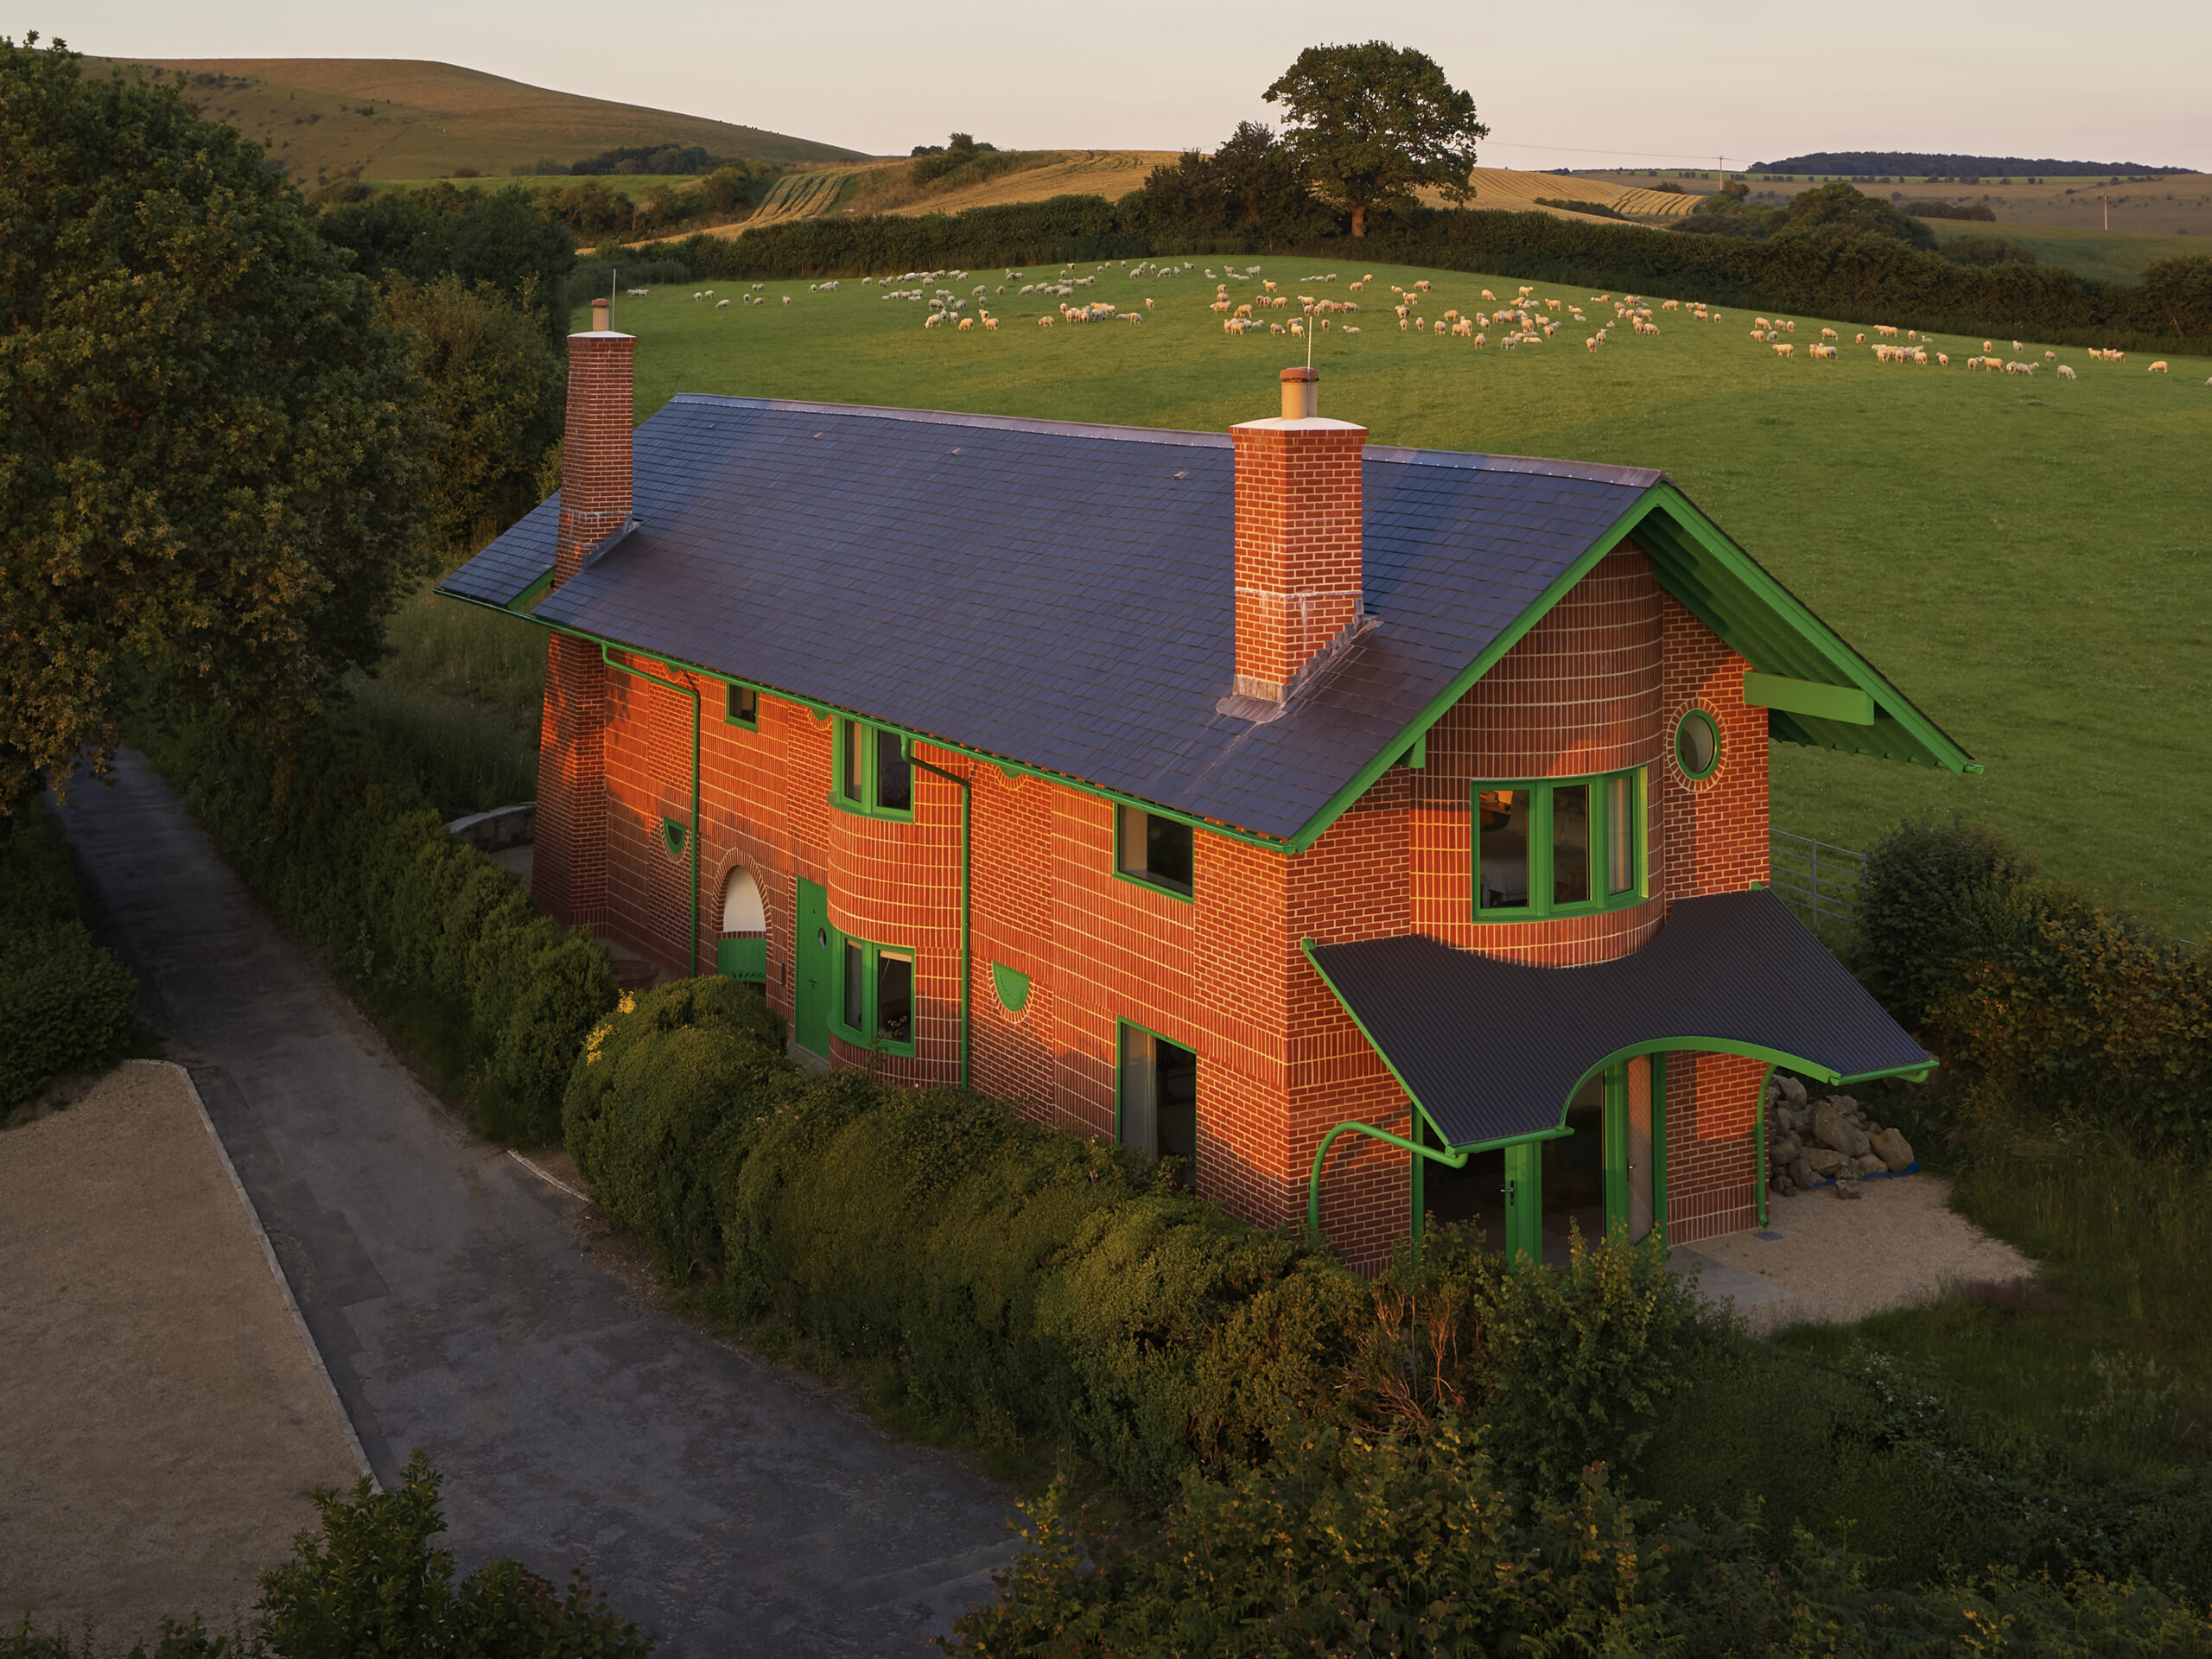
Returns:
<point x="2106" y="256"/>
<point x="2030" y="560"/>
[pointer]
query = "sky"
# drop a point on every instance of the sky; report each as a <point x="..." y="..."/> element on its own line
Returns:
<point x="1656" y="84"/>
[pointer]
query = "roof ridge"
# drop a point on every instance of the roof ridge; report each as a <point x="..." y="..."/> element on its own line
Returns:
<point x="1175" y="436"/>
<point x="1472" y="460"/>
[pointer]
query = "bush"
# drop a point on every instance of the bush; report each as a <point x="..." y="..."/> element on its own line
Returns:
<point x="357" y="861"/>
<point x="1345" y="1543"/>
<point x="67" y="1002"/>
<point x="1923" y="883"/>
<point x="1979" y="211"/>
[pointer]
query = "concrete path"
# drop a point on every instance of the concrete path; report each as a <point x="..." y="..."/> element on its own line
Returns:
<point x="722" y="1504"/>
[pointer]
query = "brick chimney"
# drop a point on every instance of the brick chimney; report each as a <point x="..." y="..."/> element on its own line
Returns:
<point x="1299" y="525"/>
<point x="568" y="867"/>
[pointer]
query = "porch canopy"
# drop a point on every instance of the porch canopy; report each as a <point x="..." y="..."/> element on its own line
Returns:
<point x="1493" y="1051"/>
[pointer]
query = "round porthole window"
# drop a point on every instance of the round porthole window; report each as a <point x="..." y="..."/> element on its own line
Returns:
<point x="1697" y="744"/>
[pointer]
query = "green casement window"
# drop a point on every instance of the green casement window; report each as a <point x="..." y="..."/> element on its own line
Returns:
<point x="1153" y="851"/>
<point x="875" y="995"/>
<point x="741" y="706"/>
<point x="872" y="772"/>
<point x="1156" y="1098"/>
<point x="1560" y="847"/>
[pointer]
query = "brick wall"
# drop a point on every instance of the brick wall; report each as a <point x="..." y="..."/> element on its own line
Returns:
<point x="1595" y="686"/>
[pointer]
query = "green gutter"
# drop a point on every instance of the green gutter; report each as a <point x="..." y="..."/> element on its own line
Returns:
<point x="691" y="692"/>
<point x="967" y="954"/>
<point x="1455" y="1159"/>
<point x="831" y="710"/>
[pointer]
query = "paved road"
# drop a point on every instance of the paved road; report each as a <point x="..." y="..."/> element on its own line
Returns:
<point x="725" y="1506"/>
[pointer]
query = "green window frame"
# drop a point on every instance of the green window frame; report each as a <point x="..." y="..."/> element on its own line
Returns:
<point x="1697" y="744"/>
<point x="1583" y="846"/>
<point x="873" y="994"/>
<point x="740" y="706"/>
<point x="1155" y="852"/>
<point x="870" y="772"/>
<point x="1156" y="1097"/>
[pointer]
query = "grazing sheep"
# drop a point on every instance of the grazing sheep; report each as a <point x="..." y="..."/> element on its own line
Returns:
<point x="2050" y="357"/>
<point x="1942" y="359"/>
<point x="1989" y="345"/>
<point x="1829" y="333"/>
<point x="966" y="324"/>
<point x="1148" y="305"/>
<point x="1862" y="339"/>
<point x="1785" y="350"/>
<point x="2158" y="368"/>
<point x="1489" y="296"/>
<point x="1298" y="330"/>
<point x="1591" y="344"/>
<point x="1819" y="350"/>
<point x="722" y="305"/>
<point x="1763" y="325"/>
<point x="698" y="296"/>
<point x="1885" y="329"/>
<point x="1670" y="305"/>
<point x="1043" y="322"/>
<point x="991" y="323"/>
<point x="787" y="298"/>
<point x="2066" y="371"/>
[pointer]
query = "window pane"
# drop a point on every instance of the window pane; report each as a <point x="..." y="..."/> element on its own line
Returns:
<point x="1130" y="853"/>
<point x="1167" y="852"/>
<point x="894" y="997"/>
<point x="895" y="774"/>
<point x="744" y="705"/>
<point x="1571" y="845"/>
<point x="849" y="785"/>
<point x="1175" y="1086"/>
<point x="1620" y="835"/>
<point x="1639" y="1144"/>
<point x="1139" y="1117"/>
<point x="1502" y="843"/>
<point x="856" y="987"/>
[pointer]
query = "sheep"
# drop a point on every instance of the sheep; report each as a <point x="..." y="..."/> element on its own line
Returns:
<point x="1440" y="325"/>
<point x="1147" y="304"/>
<point x="1551" y="305"/>
<point x="2066" y="371"/>
<point x="1785" y="350"/>
<point x="1763" y="325"/>
<point x="2158" y="367"/>
<point x="1862" y="339"/>
<point x="934" y="319"/>
<point x="1489" y="296"/>
<point x="1666" y="305"/>
<point x="722" y="305"/>
<point x="1043" y="322"/>
<point x="2016" y="348"/>
<point x="1298" y="330"/>
<point x="1944" y="360"/>
<point x="1885" y="329"/>
<point x="967" y="324"/>
<point x="1591" y="344"/>
<point x="787" y="298"/>
<point x="698" y="296"/>
<point x="2050" y="357"/>
<point x="1820" y="351"/>
<point x="1829" y="333"/>
<point x="1353" y="329"/>
<point x="1243" y="311"/>
<point x="1759" y="333"/>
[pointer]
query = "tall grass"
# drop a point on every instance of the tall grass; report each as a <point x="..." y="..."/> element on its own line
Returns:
<point x="456" y="705"/>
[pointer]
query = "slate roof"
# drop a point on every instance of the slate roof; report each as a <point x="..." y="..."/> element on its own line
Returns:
<point x="1492" y="1049"/>
<point x="1055" y="593"/>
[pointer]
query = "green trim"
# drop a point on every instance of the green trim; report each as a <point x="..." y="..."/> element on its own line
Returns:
<point x="967" y="887"/>
<point x="692" y="692"/>
<point x="1121" y="1048"/>
<point x="871" y="953"/>
<point x="1457" y="1160"/>
<point x="1176" y="893"/>
<point x="1540" y="791"/>
<point x="1416" y="758"/>
<point x="865" y="805"/>
<point x="731" y="716"/>
<point x="673" y="836"/>
<point x="746" y="959"/>
<point x="1704" y="716"/>
<point x="1013" y="987"/>
<point x="1848" y="703"/>
<point x="1659" y="1146"/>
<point x="1765" y="1077"/>
<point x="522" y="603"/>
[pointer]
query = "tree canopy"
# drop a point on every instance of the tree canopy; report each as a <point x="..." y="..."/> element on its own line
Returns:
<point x="1251" y="184"/>
<point x="1369" y="124"/>
<point x="213" y="454"/>
<point x="502" y="238"/>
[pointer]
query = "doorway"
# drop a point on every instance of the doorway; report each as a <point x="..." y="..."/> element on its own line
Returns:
<point x="1603" y="1169"/>
<point x="810" y="1004"/>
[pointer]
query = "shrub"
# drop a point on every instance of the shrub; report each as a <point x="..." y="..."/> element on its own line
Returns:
<point x="1937" y="209"/>
<point x="1923" y="880"/>
<point x="67" y="1002"/>
<point x="356" y="861"/>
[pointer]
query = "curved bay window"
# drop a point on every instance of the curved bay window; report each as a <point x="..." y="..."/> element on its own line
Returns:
<point x="875" y="1000"/>
<point x="1558" y="846"/>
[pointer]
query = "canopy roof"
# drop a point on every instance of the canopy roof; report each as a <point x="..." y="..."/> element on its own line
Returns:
<point x="1492" y="1050"/>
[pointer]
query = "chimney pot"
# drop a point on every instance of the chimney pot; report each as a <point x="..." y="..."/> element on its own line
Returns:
<point x="1302" y="394"/>
<point x="602" y="311"/>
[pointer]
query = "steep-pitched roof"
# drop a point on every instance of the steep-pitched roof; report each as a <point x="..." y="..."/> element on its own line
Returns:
<point x="1061" y="595"/>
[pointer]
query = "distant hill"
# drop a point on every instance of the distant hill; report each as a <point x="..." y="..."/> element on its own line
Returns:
<point x="408" y="118"/>
<point x="1896" y="163"/>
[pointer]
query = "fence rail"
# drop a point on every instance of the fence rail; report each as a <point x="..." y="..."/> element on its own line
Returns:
<point x="1818" y="878"/>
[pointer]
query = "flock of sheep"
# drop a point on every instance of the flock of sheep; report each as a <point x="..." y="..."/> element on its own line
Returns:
<point x="1524" y="319"/>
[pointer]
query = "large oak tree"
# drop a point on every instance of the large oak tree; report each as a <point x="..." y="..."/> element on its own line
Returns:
<point x="1369" y="124"/>
<point x="211" y="452"/>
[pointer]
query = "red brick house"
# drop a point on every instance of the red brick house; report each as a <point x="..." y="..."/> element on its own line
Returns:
<point x="1375" y="830"/>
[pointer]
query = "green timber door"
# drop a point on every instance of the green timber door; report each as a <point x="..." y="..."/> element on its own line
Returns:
<point x="811" y="1014"/>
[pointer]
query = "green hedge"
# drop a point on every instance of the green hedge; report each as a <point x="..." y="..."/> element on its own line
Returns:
<point x="1861" y="280"/>
<point x="356" y="861"/>
<point x="2043" y="998"/>
<point x="1018" y="1281"/>
<point x="67" y="1002"/>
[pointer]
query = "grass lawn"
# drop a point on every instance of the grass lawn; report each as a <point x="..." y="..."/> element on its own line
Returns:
<point x="2108" y="255"/>
<point x="2030" y="560"/>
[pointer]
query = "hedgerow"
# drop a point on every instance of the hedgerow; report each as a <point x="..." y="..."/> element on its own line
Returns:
<point x="354" y="859"/>
<point x="1863" y="279"/>
<point x="67" y="1001"/>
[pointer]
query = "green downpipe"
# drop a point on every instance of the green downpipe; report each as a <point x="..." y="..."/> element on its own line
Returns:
<point x="967" y="954"/>
<point x="1763" y="1081"/>
<point x="692" y="692"/>
<point x="1455" y="1159"/>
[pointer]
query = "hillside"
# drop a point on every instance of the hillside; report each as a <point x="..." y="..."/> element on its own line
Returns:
<point x="1872" y="164"/>
<point x="412" y="118"/>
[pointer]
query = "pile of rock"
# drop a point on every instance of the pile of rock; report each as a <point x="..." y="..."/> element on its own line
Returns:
<point x="1811" y="1142"/>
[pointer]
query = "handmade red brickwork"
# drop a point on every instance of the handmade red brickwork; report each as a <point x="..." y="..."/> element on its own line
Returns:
<point x="1298" y="529"/>
<point x="1596" y="685"/>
